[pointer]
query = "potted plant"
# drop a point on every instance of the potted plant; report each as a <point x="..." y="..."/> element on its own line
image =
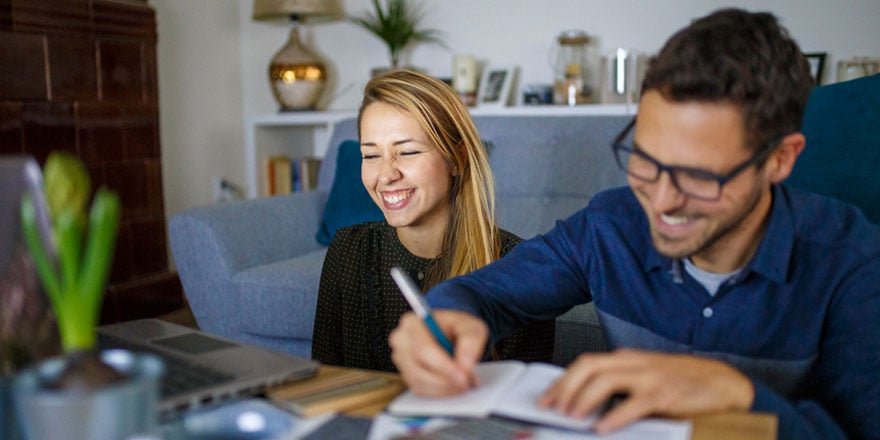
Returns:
<point x="398" y="26"/>
<point x="52" y="397"/>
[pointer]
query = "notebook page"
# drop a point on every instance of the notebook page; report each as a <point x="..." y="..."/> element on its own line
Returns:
<point x="519" y="401"/>
<point x="495" y="378"/>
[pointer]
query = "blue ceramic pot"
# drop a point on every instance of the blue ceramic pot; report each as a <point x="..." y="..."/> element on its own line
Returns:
<point x="116" y="411"/>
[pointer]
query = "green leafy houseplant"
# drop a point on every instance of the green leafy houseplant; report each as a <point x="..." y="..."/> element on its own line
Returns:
<point x="397" y="26"/>
<point x="75" y="280"/>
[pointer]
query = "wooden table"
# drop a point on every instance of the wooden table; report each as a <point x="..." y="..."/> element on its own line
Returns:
<point x="720" y="426"/>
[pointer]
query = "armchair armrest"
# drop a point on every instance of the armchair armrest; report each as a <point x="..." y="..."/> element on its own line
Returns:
<point x="211" y="244"/>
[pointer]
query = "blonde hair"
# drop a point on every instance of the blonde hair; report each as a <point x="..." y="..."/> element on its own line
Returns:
<point x="471" y="239"/>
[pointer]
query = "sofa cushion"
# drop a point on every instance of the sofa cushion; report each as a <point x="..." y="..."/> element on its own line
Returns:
<point x="348" y="203"/>
<point x="578" y="331"/>
<point x="287" y="288"/>
<point x="553" y="155"/>
<point x="543" y="212"/>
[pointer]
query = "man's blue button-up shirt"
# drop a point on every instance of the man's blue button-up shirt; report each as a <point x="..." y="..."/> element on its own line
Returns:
<point x="802" y="319"/>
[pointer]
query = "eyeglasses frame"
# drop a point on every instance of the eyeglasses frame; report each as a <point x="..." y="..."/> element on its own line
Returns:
<point x="671" y="169"/>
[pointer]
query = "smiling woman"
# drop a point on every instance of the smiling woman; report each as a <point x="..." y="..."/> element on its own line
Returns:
<point x="407" y="176"/>
<point x="425" y="167"/>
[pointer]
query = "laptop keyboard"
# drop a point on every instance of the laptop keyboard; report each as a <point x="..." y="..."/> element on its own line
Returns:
<point x="180" y="376"/>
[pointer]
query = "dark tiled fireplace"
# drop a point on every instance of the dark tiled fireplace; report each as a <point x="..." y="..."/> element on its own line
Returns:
<point x="80" y="75"/>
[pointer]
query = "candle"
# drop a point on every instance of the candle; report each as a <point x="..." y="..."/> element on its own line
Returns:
<point x="464" y="77"/>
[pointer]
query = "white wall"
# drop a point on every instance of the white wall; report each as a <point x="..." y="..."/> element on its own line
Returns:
<point x="521" y="32"/>
<point x="213" y="58"/>
<point x="200" y="98"/>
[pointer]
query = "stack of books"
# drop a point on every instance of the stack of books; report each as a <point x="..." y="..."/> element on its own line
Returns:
<point x="337" y="390"/>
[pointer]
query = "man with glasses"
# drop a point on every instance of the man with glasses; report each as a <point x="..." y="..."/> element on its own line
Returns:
<point x="718" y="287"/>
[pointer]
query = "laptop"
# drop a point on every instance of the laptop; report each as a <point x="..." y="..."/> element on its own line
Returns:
<point x="200" y="368"/>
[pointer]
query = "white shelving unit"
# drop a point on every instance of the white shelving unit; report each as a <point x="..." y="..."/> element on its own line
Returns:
<point x="307" y="133"/>
<point x="302" y="134"/>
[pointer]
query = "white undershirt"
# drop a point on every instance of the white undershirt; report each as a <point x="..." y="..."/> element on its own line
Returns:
<point x="711" y="281"/>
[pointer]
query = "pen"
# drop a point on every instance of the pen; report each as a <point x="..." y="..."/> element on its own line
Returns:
<point x="414" y="298"/>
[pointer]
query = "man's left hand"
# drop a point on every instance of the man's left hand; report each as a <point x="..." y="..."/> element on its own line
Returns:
<point x="653" y="383"/>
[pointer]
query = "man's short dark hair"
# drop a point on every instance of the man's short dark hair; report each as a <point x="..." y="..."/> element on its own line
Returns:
<point x="744" y="58"/>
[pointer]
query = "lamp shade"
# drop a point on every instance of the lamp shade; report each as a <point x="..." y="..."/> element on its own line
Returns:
<point x="272" y="9"/>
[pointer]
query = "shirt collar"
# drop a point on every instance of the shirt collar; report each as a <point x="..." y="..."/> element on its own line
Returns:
<point x="774" y="253"/>
<point x="773" y="256"/>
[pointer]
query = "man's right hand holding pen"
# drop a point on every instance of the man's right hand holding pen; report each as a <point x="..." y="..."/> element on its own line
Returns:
<point x="425" y="366"/>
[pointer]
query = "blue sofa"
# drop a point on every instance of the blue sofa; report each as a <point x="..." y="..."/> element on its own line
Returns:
<point x="251" y="269"/>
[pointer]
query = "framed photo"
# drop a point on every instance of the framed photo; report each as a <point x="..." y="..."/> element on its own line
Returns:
<point x="495" y="85"/>
<point x="817" y="65"/>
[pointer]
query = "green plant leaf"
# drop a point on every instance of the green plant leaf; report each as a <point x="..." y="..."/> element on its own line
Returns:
<point x="69" y="242"/>
<point x="97" y="259"/>
<point x="42" y="261"/>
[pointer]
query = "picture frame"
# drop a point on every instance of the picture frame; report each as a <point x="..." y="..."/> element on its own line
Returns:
<point x="817" y="65"/>
<point x="495" y="84"/>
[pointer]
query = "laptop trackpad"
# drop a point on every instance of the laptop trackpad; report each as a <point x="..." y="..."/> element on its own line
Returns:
<point x="193" y="343"/>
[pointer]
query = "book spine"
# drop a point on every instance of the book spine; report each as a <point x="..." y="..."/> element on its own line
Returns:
<point x="295" y="173"/>
<point x="268" y="177"/>
<point x="309" y="172"/>
<point x="277" y="175"/>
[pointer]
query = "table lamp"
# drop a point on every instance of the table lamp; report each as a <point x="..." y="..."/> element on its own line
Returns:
<point x="297" y="76"/>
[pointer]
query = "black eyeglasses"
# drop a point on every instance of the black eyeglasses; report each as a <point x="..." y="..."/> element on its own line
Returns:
<point x="693" y="182"/>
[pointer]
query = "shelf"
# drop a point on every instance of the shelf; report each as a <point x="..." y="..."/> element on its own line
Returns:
<point x="301" y="118"/>
<point x="308" y="118"/>
<point x="307" y="133"/>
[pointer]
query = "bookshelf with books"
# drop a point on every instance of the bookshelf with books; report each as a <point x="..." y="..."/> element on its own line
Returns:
<point x="296" y="135"/>
<point x="283" y="174"/>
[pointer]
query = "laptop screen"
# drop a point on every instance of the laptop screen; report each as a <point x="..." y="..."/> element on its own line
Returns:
<point x="24" y="309"/>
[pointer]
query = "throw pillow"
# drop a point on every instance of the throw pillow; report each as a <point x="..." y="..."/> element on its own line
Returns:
<point x="348" y="202"/>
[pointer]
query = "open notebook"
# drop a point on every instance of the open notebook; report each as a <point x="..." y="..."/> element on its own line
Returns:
<point x="507" y="389"/>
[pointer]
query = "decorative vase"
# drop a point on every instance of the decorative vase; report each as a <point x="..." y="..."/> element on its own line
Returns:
<point x="297" y="75"/>
<point x="115" y="411"/>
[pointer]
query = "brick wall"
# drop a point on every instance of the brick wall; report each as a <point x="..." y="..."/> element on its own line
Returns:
<point x="80" y="75"/>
